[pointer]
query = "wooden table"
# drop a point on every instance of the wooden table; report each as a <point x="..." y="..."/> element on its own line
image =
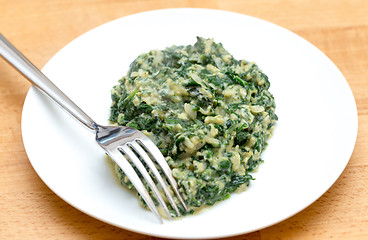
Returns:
<point x="30" y="210"/>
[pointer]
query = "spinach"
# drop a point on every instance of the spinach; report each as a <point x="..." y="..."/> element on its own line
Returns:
<point x="218" y="127"/>
<point x="224" y="164"/>
<point x="182" y="122"/>
<point x="144" y="122"/>
<point x="236" y="79"/>
<point x="211" y="193"/>
<point x="241" y="137"/>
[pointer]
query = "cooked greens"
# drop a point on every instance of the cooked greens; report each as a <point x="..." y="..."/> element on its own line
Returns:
<point x="209" y="114"/>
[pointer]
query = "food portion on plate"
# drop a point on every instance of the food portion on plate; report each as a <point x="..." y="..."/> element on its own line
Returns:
<point x="209" y="113"/>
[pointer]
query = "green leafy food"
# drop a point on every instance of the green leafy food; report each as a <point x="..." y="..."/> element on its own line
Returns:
<point x="209" y="114"/>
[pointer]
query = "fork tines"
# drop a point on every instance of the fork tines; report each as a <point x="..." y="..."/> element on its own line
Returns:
<point x="141" y="152"/>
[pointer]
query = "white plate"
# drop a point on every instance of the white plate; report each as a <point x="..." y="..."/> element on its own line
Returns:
<point x="311" y="146"/>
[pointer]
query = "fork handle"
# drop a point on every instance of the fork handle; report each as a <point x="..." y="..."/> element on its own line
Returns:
<point x="37" y="78"/>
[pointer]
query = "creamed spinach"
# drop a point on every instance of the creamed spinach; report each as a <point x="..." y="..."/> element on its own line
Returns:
<point x="209" y="114"/>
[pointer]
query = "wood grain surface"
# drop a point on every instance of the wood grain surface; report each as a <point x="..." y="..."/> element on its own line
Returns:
<point x="30" y="210"/>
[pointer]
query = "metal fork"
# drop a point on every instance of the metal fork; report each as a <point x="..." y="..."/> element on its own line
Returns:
<point x="125" y="145"/>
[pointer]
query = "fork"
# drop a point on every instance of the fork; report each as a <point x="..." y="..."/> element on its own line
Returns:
<point x="125" y="145"/>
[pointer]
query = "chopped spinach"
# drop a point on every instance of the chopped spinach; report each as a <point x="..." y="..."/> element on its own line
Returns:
<point x="209" y="113"/>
